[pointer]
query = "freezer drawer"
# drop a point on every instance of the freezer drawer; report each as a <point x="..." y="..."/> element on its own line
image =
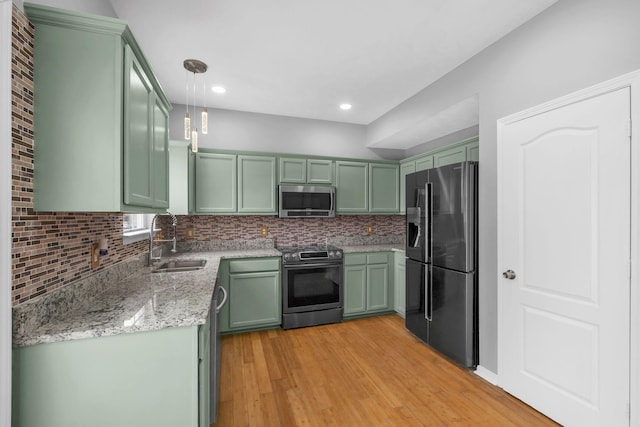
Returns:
<point x="453" y="329"/>
<point x="415" y="320"/>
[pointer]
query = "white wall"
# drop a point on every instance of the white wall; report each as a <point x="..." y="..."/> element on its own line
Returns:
<point x="572" y="45"/>
<point x="236" y="130"/>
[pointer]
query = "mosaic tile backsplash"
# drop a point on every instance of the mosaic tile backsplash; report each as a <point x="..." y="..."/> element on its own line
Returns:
<point x="288" y="232"/>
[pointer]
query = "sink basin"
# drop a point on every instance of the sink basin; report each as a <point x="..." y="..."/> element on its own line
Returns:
<point x="180" y="265"/>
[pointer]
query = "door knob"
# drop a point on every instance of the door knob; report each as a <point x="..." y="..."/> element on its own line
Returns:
<point x="509" y="274"/>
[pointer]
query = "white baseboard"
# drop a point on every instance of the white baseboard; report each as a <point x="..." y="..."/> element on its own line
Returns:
<point x="487" y="375"/>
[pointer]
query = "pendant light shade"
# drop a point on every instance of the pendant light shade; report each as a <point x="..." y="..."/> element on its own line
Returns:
<point x="195" y="66"/>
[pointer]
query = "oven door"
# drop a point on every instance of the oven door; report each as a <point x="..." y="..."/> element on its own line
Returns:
<point x="311" y="287"/>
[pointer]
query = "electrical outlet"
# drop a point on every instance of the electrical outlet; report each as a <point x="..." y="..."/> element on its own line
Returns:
<point x="95" y="255"/>
<point x="369" y="230"/>
<point x="264" y="231"/>
<point x="190" y="233"/>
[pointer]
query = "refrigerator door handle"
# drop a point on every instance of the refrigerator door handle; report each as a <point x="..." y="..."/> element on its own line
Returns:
<point x="428" y="294"/>
<point x="428" y="221"/>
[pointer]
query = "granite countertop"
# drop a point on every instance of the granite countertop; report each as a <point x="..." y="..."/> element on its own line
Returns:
<point x="130" y="300"/>
<point x="373" y="248"/>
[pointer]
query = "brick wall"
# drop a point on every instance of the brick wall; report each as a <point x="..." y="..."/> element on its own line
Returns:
<point x="49" y="250"/>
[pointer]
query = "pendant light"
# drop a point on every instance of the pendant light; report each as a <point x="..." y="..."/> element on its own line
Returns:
<point x="195" y="66"/>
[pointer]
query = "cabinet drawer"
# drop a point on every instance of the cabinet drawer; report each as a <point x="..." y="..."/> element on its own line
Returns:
<point x="377" y="258"/>
<point x="355" y="259"/>
<point x="258" y="264"/>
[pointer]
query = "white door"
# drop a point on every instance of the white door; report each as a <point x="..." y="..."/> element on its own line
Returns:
<point x="564" y="231"/>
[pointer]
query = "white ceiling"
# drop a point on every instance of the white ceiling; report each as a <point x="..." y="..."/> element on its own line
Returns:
<point x="302" y="58"/>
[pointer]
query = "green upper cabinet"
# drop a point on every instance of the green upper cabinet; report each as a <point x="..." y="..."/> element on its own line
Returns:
<point x="179" y="177"/>
<point x="319" y="171"/>
<point x="257" y="185"/>
<point x="367" y="188"/>
<point x="215" y="183"/>
<point x="293" y="170"/>
<point x="101" y="117"/>
<point x="449" y="156"/>
<point x="424" y="163"/>
<point x="405" y="169"/>
<point x="352" y="187"/>
<point x="160" y="155"/>
<point x="384" y="185"/>
<point x="306" y="171"/>
<point x="473" y="152"/>
<point x="138" y="139"/>
<point x="226" y="184"/>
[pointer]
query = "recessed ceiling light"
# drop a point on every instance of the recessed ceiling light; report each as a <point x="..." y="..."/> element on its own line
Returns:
<point x="218" y="89"/>
<point x="345" y="106"/>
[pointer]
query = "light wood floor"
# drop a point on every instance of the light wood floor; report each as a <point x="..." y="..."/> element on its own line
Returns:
<point x="366" y="372"/>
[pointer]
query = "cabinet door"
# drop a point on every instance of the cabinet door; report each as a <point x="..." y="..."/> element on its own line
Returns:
<point x="473" y="151"/>
<point x="257" y="184"/>
<point x="215" y="183"/>
<point x="424" y="163"/>
<point x="352" y="187"/>
<point x="293" y="170"/>
<point x="377" y="287"/>
<point x="383" y="188"/>
<point x="355" y="287"/>
<point x="204" y="373"/>
<point x="319" y="171"/>
<point x="452" y="155"/>
<point x="399" y="283"/>
<point x="255" y="299"/>
<point x="405" y="169"/>
<point x="138" y="118"/>
<point x="160" y="155"/>
<point x="178" y="177"/>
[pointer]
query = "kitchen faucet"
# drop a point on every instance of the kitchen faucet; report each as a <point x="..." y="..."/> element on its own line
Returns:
<point x="151" y="240"/>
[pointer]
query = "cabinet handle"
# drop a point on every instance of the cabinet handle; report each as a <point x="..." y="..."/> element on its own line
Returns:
<point x="224" y="299"/>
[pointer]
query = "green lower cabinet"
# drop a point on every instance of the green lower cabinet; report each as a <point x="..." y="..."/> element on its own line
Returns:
<point x="355" y="289"/>
<point x="255" y="294"/>
<point x="368" y="285"/>
<point x="377" y="287"/>
<point x="153" y="378"/>
<point x="399" y="282"/>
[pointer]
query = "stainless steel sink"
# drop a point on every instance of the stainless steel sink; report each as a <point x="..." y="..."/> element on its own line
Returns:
<point x="180" y="265"/>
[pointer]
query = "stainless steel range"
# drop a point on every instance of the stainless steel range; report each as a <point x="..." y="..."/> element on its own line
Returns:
<point x="311" y="286"/>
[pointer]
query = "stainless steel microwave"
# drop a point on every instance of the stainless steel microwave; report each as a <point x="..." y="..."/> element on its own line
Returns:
<point x="307" y="201"/>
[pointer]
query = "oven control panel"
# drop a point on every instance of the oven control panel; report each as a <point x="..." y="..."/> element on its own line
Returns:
<point x="310" y="254"/>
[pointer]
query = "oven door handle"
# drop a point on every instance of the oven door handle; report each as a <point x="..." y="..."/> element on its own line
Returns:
<point x="303" y="266"/>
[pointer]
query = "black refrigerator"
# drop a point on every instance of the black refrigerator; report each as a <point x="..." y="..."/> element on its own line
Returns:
<point x="442" y="254"/>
